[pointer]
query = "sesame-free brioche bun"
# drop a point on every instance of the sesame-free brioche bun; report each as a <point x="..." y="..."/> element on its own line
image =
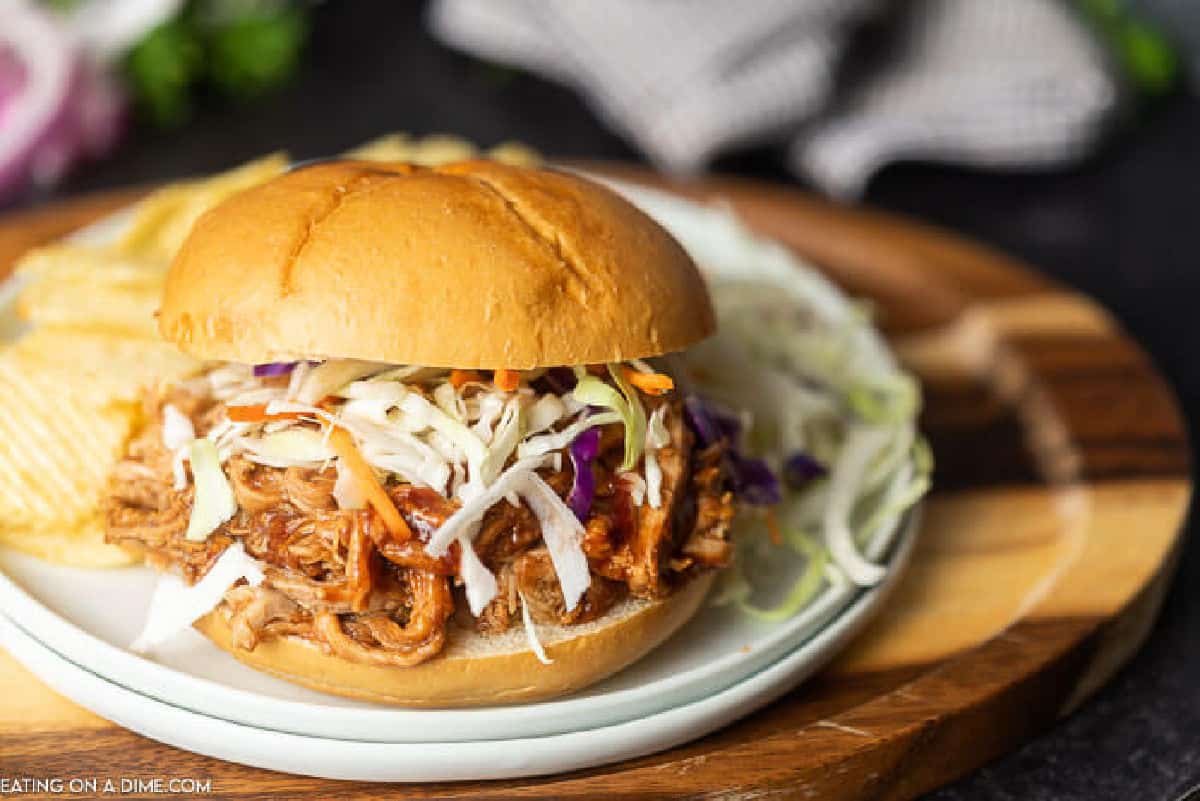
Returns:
<point x="474" y="264"/>
<point x="477" y="669"/>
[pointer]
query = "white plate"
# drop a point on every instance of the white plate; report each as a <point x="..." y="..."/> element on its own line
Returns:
<point x="90" y="616"/>
<point x="430" y="761"/>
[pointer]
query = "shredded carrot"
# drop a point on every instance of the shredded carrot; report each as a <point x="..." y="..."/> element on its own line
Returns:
<point x="257" y="413"/>
<point x="358" y="569"/>
<point x="343" y="445"/>
<point x="460" y="377"/>
<point x="506" y="380"/>
<point x="773" y="527"/>
<point x="650" y="383"/>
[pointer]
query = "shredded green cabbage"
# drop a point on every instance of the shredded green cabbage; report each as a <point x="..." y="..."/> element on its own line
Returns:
<point x="907" y="487"/>
<point x="545" y="412"/>
<point x="557" y="440"/>
<point x="846" y="481"/>
<point x="509" y="431"/>
<point x="291" y="447"/>
<point x="806" y="587"/>
<point x="450" y="402"/>
<point x="893" y="399"/>
<point x="425" y="415"/>
<point x="635" y="423"/>
<point x="331" y="376"/>
<point x="812" y="376"/>
<point x="594" y="392"/>
<point x="214" y="502"/>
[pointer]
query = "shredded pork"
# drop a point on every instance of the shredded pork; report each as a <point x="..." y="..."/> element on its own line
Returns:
<point x="339" y="578"/>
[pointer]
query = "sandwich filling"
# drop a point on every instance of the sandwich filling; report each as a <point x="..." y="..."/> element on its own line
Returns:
<point x="381" y="501"/>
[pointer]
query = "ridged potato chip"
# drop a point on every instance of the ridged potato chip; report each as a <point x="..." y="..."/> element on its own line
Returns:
<point x="118" y="310"/>
<point x="75" y="262"/>
<point x="431" y="151"/>
<point x="162" y="221"/>
<point x="71" y="402"/>
<point x="56" y="450"/>
<point x="97" y="367"/>
<point x="78" y="545"/>
<point x="73" y="384"/>
<point x="90" y="287"/>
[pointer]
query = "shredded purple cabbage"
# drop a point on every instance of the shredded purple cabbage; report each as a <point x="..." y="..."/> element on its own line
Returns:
<point x="751" y="479"/>
<point x="273" y="368"/>
<point x="700" y="416"/>
<point x="583" y="452"/>
<point x="729" y="426"/>
<point x="800" y="468"/>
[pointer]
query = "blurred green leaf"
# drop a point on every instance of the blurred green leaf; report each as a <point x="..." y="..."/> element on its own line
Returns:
<point x="161" y="70"/>
<point x="257" y="52"/>
<point x="241" y="49"/>
<point x="1148" y="57"/>
<point x="1142" y="50"/>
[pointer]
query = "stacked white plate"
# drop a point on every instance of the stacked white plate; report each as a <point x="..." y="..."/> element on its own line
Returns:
<point x="71" y="628"/>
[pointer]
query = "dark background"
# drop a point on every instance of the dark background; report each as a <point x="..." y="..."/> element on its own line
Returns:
<point x="1120" y="227"/>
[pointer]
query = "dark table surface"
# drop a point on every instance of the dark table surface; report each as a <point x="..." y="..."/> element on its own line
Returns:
<point x="1121" y="227"/>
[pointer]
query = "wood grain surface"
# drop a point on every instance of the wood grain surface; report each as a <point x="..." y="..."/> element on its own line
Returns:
<point x="1061" y="486"/>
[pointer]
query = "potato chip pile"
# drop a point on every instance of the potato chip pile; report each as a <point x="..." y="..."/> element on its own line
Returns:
<point x="90" y="346"/>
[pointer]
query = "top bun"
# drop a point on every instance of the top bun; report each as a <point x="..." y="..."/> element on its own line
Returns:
<point x="472" y="264"/>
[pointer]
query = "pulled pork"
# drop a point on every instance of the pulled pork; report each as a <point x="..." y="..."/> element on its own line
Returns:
<point x="339" y="579"/>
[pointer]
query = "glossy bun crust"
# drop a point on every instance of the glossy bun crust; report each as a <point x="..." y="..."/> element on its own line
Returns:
<point x="473" y="265"/>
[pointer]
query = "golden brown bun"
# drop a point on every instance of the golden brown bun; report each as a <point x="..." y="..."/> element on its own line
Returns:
<point x="479" y="670"/>
<point x="473" y="264"/>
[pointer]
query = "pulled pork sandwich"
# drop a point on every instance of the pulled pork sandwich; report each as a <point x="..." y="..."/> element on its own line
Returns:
<point x="428" y="462"/>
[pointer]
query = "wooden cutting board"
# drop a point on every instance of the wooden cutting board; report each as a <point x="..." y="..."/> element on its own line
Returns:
<point x="1061" y="488"/>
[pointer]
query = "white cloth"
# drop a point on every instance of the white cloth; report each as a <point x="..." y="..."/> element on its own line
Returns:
<point x="984" y="82"/>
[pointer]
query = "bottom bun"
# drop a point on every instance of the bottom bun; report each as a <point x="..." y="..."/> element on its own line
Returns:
<point x="481" y="670"/>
